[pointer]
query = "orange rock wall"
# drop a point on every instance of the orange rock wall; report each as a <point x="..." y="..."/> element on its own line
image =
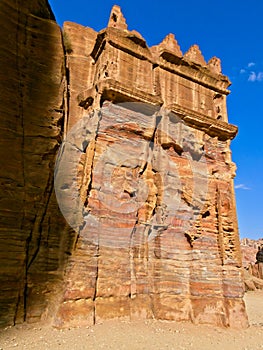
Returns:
<point x="144" y="177"/>
<point x="33" y="234"/>
<point x="138" y="255"/>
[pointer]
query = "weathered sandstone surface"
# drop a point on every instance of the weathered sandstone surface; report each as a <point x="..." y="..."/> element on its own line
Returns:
<point x="144" y="177"/>
<point x="149" y="189"/>
<point x="33" y="238"/>
<point x="249" y="248"/>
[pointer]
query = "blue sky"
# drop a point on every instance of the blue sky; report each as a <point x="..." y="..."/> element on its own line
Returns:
<point x="229" y="29"/>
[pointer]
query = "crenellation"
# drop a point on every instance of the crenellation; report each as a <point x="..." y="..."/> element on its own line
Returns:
<point x="194" y="55"/>
<point x="214" y="64"/>
<point x="117" y="19"/>
<point x="169" y="45"/>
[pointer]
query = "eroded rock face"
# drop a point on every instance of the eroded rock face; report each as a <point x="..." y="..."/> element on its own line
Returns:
<point x="32" y="230"/>
<point x="146" y="179"/>
<point x="249" y="248"/>
<point x="143" y="177"/>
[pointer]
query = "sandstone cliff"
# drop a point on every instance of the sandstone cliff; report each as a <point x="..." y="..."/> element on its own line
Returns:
<point x="32" y="93"/>
<point x="144" y="176"/>
<point x="249" y="248"/>
<point x="146" y="179"/>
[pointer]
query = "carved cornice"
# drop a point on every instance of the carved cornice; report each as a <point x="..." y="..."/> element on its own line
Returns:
<point x="193" y="72"/>
<point x="224" y="131"/>
<point x="117" y="91"/>
<point x="127" y="41"/>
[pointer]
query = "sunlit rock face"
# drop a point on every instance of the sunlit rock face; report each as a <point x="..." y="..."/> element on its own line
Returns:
<point x="145" y="178"/>
<point x="249" y="248"/>
<point x="134" y="142"/>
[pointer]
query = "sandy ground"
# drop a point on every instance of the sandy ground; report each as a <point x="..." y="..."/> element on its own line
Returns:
<point x="142" y="335"/>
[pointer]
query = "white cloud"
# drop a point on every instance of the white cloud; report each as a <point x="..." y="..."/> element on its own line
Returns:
<point x="242" y="187"/>
<point x="251" y="73"/>
<point x="252" y="76"/>
<point x="255" y="76"/>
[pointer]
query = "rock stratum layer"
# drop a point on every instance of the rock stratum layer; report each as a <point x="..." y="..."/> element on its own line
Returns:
<point x="144" y="177"/>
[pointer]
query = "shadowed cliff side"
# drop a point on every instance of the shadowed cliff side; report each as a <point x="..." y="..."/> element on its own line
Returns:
<point x="34" y="238"/>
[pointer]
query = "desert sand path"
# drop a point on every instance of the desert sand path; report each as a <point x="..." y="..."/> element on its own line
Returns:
<point x="141" y="335"/>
